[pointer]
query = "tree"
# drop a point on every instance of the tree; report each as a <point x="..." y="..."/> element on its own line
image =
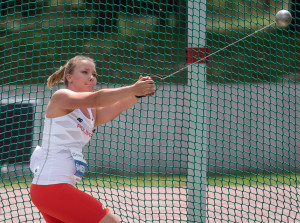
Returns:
<point x="108" y="10"/>
<point x="27" y="7"/>
<point x="295" y="14"/>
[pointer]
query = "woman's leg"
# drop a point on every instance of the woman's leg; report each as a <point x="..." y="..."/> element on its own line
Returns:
<point x="110" y="218"/>
<point x="68" y="204"/>
<point x="50" y="219"/>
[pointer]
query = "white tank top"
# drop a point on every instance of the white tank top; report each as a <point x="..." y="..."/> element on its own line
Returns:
<point x="53" y="162"/>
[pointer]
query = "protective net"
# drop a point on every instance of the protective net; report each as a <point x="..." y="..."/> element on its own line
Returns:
<point x="218" y="142"/>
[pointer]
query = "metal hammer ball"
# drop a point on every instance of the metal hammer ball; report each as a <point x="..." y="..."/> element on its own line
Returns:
<point x="283" y="18"/>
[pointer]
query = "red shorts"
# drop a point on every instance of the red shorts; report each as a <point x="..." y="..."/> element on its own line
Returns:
<point x="65" y="203"/>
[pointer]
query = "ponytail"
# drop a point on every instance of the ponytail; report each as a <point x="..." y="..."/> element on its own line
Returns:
<point x="56" y="77"/>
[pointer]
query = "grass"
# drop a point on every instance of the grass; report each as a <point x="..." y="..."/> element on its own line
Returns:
<point x="171" y="180"/>
<point x="148" y="180"/>
<point x="254" y="179"/>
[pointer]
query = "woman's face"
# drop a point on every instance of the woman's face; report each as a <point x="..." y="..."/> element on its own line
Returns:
<point x="83" y="77"/>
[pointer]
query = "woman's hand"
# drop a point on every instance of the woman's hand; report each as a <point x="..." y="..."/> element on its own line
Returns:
<point x="145" y="86"/>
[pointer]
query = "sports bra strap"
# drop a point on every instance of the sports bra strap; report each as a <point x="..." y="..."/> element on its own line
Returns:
<point x="90" y="113"/>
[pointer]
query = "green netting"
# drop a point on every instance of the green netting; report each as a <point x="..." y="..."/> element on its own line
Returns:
<point x="218" y="142"/>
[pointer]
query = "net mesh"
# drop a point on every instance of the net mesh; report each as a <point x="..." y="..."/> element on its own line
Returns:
<point x="219" y="142"/>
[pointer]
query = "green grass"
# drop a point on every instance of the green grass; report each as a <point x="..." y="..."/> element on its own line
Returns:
<point x="254" y="179"/>
<point x="169" y="180"/>
<point x="148" y="180"/>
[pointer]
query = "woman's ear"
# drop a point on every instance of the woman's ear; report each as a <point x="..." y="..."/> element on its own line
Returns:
<point x="69" y="78"/>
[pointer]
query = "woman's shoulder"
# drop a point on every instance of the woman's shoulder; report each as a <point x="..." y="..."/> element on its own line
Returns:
<point x="62" y="91"/>
<point x="55" y="107"/>
<point x="62" y="94"/>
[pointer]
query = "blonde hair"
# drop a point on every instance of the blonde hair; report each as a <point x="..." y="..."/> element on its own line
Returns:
<point x="68" y="68"/>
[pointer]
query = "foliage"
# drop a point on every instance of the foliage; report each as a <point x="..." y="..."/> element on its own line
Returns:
<point x="37" y="38"/>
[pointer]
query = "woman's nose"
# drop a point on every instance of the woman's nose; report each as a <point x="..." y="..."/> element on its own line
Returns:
<point x="92" y="78"/>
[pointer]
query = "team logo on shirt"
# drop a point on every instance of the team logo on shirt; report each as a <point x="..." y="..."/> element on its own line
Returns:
<point x="85" y="131"/>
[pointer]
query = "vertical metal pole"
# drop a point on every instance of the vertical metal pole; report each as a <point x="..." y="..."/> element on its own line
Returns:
<point x="197" y="152"/>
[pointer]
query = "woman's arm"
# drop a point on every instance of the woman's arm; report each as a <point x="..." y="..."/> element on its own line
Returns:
<point x="108" y="113"/>
<point x="68" y="100"/>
